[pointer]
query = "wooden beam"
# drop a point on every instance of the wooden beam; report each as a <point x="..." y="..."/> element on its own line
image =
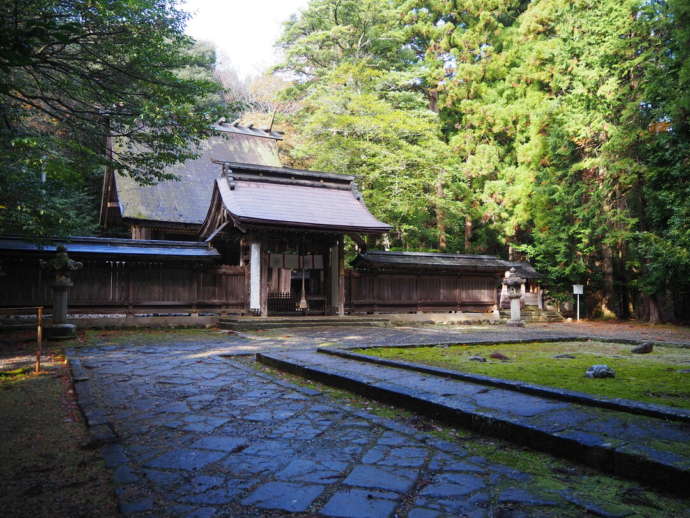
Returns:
<point x="361" y="243"/>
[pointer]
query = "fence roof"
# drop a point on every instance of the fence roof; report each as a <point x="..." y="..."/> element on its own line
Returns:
<point x="114" y="247"/>
<point x="438" y="261"/>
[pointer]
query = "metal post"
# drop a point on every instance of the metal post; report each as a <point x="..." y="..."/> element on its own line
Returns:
<point x="578" y="307"/>
<point x="39" y="337"/>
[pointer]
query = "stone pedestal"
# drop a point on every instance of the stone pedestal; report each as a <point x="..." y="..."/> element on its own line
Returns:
<point x="60" y="329"/>
<point x="515" y="315"/>
<point x="514" y="284"/>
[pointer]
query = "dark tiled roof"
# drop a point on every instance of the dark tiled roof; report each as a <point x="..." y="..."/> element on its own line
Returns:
<point x="428" y="260"/>
<point x="436" y="261"/>
<point x="526" y="270"/>
<point x="187" y="199"/>
<point x="237" y="168"/>
<point x="221" y="125"/>
<point x="115" y="247"/>
<point x="269" y="196"/>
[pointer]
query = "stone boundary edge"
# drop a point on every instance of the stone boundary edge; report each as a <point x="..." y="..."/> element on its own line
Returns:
<point x="100" y="431"/>
<point x="620" y="404"/>
<point x="597" y="455"/>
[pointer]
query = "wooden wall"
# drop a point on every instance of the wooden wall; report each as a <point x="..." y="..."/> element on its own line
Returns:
<point x="164" y="286"/>
<point x="107" y="285"/>
<point x="392" y="292"/>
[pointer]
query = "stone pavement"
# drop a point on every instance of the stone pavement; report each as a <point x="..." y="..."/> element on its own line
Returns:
<point x="646" y="448"/>
<point x="305" y="338"/>
<point x="202" y="435"/>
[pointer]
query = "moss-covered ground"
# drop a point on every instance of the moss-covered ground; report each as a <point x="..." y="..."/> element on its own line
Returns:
<point x="46" y="466"/>
<point x="661" y="377"/>
<point x="615" y="495"/>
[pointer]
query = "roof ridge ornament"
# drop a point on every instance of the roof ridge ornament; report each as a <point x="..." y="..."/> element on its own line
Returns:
<point x="356" y="191"/>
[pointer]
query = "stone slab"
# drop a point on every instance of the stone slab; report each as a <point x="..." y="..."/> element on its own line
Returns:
<point x="516" y="416"/>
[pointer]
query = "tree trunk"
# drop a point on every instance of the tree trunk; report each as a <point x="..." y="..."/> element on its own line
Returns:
<point x="608" y="306"/>
<point x="653" y="305"/>
<point x="440" y="217"/>
<point x="468" y="233"/>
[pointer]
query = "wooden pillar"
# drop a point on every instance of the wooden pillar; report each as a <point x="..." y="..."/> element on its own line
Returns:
<point x="416" y="293"/>
<point x="255" y="277"/>
<point x="341" y="276"/>
<point x="336" y="266"/>
<point x="264" y="281"/>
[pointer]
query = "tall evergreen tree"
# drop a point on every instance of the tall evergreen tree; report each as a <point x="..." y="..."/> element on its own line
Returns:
<point x="75" y="72"/>
<point x="555" y="129"/>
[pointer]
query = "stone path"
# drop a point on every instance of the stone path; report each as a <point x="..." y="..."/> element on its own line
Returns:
<point x="201" y="436"/>
<point x="646" y="448"/>
<point x="305" y="338"/>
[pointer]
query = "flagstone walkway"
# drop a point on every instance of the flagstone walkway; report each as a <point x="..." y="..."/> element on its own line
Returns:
<point x="645" y="448"/>
<point x="203" y="435"/>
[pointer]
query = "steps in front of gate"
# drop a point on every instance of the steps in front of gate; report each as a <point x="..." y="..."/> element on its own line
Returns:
<point x="255" y="323"/>
<point x="530" y="315"/>
<point x="648" y="449"/>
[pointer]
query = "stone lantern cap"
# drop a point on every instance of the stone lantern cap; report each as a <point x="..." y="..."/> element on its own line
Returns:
<point x="62" y="265"/>
<point x="512" y="279"/>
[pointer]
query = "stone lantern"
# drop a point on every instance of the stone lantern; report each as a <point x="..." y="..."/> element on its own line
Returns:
<point x="63" y="267"/>
<point x="513" y="283"/>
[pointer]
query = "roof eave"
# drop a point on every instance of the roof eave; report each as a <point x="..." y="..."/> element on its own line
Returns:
<point x="255" y="222"/>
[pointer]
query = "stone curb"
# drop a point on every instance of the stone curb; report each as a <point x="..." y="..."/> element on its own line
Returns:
<point x="620" y="404"/>
<point x="545" y="339"/>
<point x="100" y="430"/>
<point x="599" y="455"/>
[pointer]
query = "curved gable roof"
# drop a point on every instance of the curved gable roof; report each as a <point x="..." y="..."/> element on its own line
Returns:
<point x="269" y="196"/>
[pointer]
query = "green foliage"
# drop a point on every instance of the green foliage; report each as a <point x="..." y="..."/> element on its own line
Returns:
<point x="363" y="114"/>
<point x="75" y="72"/>
<point x="558" y="129"/>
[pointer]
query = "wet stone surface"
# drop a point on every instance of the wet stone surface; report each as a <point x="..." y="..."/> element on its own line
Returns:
<point x="205" y="436"/>
<point x="200" y="435"/>
<point x="589" y="425"/>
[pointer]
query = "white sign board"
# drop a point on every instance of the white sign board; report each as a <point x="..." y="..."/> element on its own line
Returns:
<point x="578" y="289"/>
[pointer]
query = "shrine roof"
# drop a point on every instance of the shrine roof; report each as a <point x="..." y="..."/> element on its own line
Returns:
<point x="257" y="195"/>
<point x="186" y="200"/>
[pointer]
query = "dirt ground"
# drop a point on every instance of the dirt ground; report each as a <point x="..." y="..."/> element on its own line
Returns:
<point x="632" y="330"/>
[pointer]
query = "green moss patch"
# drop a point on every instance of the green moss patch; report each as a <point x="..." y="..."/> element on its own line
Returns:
<point x="657" y="377"/>
<point x="45" y="471"/>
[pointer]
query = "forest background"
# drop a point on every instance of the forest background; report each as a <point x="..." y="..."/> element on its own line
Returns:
<point x="556" y="132"/>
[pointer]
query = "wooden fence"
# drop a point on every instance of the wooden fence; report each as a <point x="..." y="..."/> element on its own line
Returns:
<point x="387" y="292"/>
<point x="144" y="286"/>
<point x="147" y="286"/>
